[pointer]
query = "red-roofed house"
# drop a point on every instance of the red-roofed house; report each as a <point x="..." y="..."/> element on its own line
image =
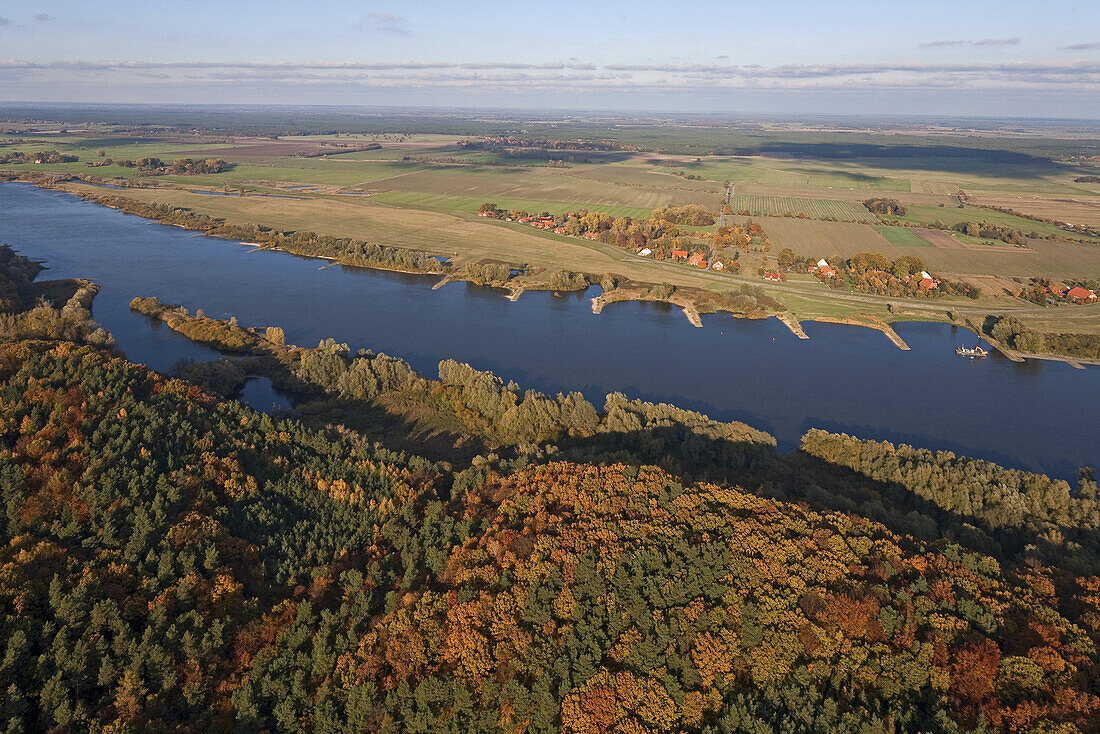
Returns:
<point x="559" y="230"/>
<point x="927" y="284"/>
<point x="1077" y="294"/>
<point x="679" y="254"/>
<point x="698" y="260"/>
<point x="772" y="276"/>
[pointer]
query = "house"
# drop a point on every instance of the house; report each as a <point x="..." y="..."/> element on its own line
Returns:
<point x="827" y="272"/>
<point x="645" y="252"/>
<point x="822" y="263"/>
<point x="698" y="260"/>
<point x="679" y="254"/>
<point x="591" y="235"/>
<point x="559" y="230"/>
<point x="483" y="214"/>
<point x="1077" y="294"/>
<point x="718" y="265"/>
<point x="928" y="284"/>
<point x="772" y="276"/>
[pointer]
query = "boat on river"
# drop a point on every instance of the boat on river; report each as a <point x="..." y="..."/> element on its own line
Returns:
<point x="975" y="352"/>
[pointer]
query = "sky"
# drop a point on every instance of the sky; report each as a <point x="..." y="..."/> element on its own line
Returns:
<point x="997" y="58"/>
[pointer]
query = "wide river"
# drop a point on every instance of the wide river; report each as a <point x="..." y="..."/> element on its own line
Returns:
<point x="1041" y="416"/>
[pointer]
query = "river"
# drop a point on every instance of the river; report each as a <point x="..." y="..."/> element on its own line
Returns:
<point x="1034" y="415"/>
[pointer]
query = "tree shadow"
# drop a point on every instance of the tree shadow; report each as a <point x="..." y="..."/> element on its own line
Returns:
<point x="807" y="480"/>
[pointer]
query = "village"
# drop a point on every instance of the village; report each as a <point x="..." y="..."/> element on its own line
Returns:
<point x="706" y="253"/>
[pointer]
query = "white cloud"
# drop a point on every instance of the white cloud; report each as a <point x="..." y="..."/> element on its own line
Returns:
<point x="1077" y="75"/>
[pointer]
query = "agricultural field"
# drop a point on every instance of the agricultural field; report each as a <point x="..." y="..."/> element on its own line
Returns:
<point x="1076" y="210"/>
<point x="953" y="215"/>
<point x="444" y="202"/>
<point x="902" y="236"/>
<point x="422" y="191"/>
<point x="785" y="206"/>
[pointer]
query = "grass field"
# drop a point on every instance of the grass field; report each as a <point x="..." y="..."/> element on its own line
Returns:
<point x="901" y="236"/>
<point x="779" y="206"/>
<point x="953" y="215"/>
<point x="1077" y="210"/>
<point x="443" y="202"/>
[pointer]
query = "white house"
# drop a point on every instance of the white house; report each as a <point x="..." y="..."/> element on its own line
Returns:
<point x="645" y="251"/>
<point x="718" y="265"/>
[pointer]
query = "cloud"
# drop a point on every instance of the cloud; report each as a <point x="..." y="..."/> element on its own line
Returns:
<point x="1077" y="76"/>
<point x="1082" y="46"/>
<point x="389" y="23"/>
<point x="1014" y="41"/>
<point x="44" y="17"/>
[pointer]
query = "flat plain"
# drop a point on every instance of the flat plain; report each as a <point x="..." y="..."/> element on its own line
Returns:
<point x="422" y="191"/>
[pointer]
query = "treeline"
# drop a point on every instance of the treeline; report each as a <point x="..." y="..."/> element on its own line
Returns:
<point x="689" y="214"/>
<point x="988" y="231"/>
<point x="346" y="148"/>
<point x="225" y="335"/>
<point x="886" y="207"/>
<point x="1087" y="179"/>
<point x="147" y="163"/>
<point x="45" y="156"/>
<point x="1017" y="335"/>
<point x="189" y="166"/>
<point x="345" y="250"/>
<point x="998" y="497"/>
<point x="901" y="277"/>
<point x="463" y="400"/>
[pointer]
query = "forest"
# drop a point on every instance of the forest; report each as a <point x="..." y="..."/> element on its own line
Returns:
<point x="174" y="561"/>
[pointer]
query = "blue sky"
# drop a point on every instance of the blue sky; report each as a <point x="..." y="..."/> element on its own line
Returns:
<point x="976" y="57"/>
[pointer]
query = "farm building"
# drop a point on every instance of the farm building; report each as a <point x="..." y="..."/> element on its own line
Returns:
<point x="772" y="276"/>
<point x="645" y="252"/>
<point x="1077" y="294"/>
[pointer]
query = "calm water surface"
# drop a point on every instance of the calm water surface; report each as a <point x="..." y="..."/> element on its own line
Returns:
<point x="1036" y="415"/>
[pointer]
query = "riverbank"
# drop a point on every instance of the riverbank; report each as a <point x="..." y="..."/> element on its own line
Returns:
<point x="854" y="309"/>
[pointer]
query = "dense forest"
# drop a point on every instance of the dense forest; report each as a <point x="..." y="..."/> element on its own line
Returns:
<point x="173" y="561"/>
